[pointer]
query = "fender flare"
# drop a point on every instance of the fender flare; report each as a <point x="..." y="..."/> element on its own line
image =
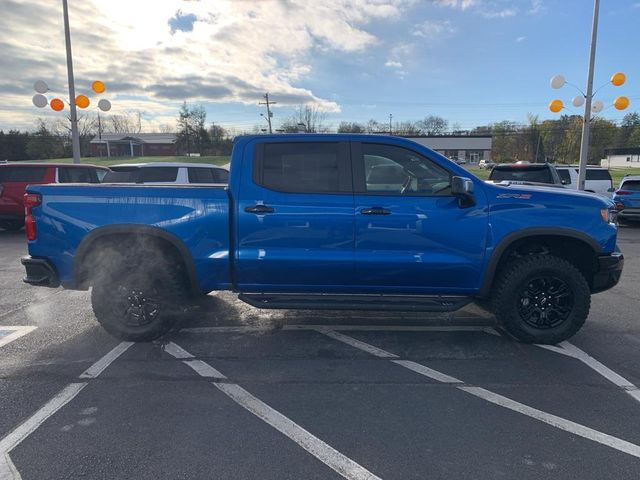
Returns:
<point x="89" y="240"/>
<point x="509" y="240"/>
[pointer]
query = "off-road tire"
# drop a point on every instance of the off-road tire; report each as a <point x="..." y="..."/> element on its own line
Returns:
<point x="124" y="297"/>
<point x="512" y="289"/>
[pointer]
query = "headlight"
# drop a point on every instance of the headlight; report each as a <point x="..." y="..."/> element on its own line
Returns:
<point x="608" y="215"/>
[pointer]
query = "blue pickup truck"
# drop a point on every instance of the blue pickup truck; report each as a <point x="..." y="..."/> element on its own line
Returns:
<point x="328" y="222"/>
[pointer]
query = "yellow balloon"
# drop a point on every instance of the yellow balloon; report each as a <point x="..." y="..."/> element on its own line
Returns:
<point x="98" y="86"/>
<point x="621" y="103"/>
<point x="82" y="101"/>
<point x="556" y="105"/>
<point x="618" y="78"/>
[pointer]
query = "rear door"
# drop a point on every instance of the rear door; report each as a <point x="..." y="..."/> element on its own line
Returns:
<point x="295" y="217"/>
<point x="411" y="234"/>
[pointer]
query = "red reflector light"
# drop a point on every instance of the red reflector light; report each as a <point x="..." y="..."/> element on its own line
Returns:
<point x="30" y="227"/>
<point x="32" y="200"/>
<point x="623" y="192"/>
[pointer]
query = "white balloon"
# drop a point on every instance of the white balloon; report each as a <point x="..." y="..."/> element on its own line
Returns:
<point x="39" y="100"/>
<point x="104" y="105"/>
<point x="578" y="101"/>
<point x="40" y="87"/>
<point x="557" y="81"/>
<point x="597" y="106"/>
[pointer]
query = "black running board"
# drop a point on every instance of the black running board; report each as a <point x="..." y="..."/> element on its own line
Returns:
<point x="395" y="303"/>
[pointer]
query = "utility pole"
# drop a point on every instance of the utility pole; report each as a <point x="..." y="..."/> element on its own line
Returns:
<point x="268" y="104"/>
<point x="390" y="128"/>
<point x="584" y="142"/>
<point x="75" y="137"/>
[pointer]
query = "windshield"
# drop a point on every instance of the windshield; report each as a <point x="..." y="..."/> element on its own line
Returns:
<point x="537" y="174"/>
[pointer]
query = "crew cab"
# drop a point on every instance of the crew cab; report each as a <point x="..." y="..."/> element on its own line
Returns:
<point x="328" y="222"/>
<point x="14" y="178"/>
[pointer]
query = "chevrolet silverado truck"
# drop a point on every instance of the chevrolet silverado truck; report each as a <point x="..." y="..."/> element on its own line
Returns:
<point x="328" y="222"/>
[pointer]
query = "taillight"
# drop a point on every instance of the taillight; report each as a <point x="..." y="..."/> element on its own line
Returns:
<point x="31" y="200"/>
<point x="623" y="192"/>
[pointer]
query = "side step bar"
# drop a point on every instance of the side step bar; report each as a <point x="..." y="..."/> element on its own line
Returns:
<point x="397" y="303"/>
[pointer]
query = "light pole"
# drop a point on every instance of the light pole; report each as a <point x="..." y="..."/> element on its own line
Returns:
<point x="75" y="135"/>
<point x="586" y="99"/>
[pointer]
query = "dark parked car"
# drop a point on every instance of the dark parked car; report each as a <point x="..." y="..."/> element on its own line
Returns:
<point x="526" y="173"/>
<point x="14" y="178"/>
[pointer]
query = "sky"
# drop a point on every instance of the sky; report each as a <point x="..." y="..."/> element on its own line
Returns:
<point x="473" y="62"/>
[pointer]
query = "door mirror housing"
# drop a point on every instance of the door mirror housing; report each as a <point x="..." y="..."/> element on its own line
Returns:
<point x="462" y="187"/>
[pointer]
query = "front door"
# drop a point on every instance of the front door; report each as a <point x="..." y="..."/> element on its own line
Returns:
<point x="412" y="236"/>
<point x="295" y="218"/>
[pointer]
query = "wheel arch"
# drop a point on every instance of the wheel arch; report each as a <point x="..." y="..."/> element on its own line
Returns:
<point x="112" y="233"/>
<point x="562" y="240"/>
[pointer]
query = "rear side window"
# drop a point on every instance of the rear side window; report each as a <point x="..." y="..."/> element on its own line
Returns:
<point x="521" y="174"/>
<point x="632" y="185"/>
<point x="159" y="174"/>
<point x="598" y="174"/>
<point x="77" y="175"/>
<point x="309" y="167"/>
<point x="122" y="175"/>
<point x="222" y="175"/>
<point x="565" y="176"/>
<point x="22" y="174"/>
<point x="201" y="175"/>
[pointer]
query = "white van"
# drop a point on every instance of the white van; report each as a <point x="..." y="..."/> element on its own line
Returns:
<point x="598" y="179"/>
<point x="160" y="173"/>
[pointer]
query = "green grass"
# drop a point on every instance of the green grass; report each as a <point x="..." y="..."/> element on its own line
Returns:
<point x="105" y="161"/>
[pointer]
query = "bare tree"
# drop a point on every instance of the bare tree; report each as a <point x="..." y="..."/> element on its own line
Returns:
<point x="433" y="125"/>
<point x="308" y="118"/>
<point x="351" y="127"/>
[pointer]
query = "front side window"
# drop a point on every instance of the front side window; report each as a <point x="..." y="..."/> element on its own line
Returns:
<point x="395" y="170"/>
<point x="565" y="176"/>
<point x="303" y="167"/>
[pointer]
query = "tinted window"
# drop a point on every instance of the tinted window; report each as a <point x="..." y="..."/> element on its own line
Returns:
<point x="564" y="175"/>
<point x="201" y="175"/>
<point x="159" y="174"/>
<point x="122" y="175"/>
<point x="222" y="175"/>
<point x="76" y="175"/>
<point x="22" y="174"/>
<point x="400" y="171"/>
<point x="302" y="167"/>
<point x="632" y="185"/>
<point x="100" y="173"/>
<point x="598" y="174"/>
<point x="538" y="174"/>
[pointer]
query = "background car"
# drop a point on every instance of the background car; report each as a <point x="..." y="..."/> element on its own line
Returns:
<point x="486" y="165"/>
<point x="597" y="180"/>
<point x="627" y="199"/>
<point x="14" y="178"/>
<point x="526" y="173"/>
<point x="167" y="173"/>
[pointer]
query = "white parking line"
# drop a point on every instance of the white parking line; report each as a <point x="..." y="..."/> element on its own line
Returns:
<point x="8" y="471"/>
<point x="570" y="350"/>
<point x="557" y="422"/>
<point x="18" y="331"/>
<point x="312" y="444"/>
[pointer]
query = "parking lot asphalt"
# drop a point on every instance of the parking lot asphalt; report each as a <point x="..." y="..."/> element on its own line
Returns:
<point x="240" y="393"/>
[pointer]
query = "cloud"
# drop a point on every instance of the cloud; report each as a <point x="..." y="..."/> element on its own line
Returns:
<point x="434" y="30"/>
<point x="489" y="8"/>
<point x="507" y="12"/>
<point x="520" y="39"/>
<point x="393" y="64"/>
<point x="175" y="50"/>
<point x="537" y="7"/>
<point x="459" y="4"/>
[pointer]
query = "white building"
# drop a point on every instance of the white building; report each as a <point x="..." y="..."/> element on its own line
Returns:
<point x="470" y="148"/>
<point x="621" y="157"/>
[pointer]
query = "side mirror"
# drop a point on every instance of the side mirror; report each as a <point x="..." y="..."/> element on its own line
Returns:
<point x="462" y="187"/>
<point x="563" y="182"/>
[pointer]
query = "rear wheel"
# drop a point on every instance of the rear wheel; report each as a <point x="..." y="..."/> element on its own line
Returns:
<point x="12" y="225"/>
<point x="541" y="299"/>
<point x="139" y="303"/>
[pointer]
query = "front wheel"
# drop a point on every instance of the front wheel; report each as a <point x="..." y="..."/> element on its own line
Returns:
<point x="541" y="299"/>
<point x="138" y="303"/>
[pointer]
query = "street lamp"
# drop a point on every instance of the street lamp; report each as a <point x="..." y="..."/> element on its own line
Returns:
<point x="619" y="103"/>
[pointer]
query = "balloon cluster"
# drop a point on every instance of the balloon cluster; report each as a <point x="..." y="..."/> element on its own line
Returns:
<point x="81" y="101"/>
<point x="620" y="103"/>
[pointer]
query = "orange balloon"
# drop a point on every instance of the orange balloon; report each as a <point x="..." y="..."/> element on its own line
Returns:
<point x="82" y="101"/>
<point x="98" y="86"/>
<point x="618" y="79"/>
<point x="556" y="105"/>
<point x="56" y="104"/>
<point x="621" y="103"/>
